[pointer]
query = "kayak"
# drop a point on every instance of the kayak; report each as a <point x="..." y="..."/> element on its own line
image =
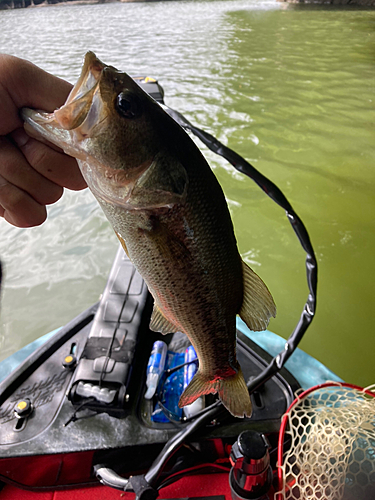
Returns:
<point x="75" y="422"/>
<point x="84" y="387"/>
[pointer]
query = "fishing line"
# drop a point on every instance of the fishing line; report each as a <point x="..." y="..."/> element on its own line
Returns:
<point x="167" y="414"/>
<point x="81" y="407"/>
<point x="172" y="417"/>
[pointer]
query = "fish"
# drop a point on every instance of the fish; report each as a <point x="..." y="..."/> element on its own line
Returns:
<point x="170" y="214"/>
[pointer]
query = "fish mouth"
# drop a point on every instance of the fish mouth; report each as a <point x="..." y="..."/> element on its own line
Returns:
<point x="73" y="125"/>
<point x="68" y="126"/>
<point x="80" y="110"/>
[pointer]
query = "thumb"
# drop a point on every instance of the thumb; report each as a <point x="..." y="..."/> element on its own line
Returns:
<point x="26" y="85"/>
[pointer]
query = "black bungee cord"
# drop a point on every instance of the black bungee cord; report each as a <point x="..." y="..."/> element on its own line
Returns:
<point x="146" y="486"/>
<point x="299" y="228"/>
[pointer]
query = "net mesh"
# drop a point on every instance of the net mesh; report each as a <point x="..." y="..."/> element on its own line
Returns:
<point x="331" y="446"/>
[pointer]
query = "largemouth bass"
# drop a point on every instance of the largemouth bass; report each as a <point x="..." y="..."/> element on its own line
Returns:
<point x="170" y="215"/>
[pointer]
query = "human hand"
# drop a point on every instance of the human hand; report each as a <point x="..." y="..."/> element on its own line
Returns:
<point x="32" y="173"/>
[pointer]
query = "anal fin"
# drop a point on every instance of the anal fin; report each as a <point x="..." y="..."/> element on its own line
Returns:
<point x="257" y="305"/>
<point x="159" y="323"/>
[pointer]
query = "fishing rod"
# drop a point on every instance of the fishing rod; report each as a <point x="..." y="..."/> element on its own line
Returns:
<point x="146" y="486"/>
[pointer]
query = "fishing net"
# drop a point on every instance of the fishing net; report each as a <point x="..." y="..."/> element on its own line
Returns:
<point x="327" y="445"/>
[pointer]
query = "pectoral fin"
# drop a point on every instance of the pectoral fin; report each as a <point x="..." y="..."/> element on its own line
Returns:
<point x="163" y="183"/>
<point x="257" y="305"/>
<point x="159" y="323"/>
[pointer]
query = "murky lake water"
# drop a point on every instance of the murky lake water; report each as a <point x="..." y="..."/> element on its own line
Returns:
<point x="290" y="88"/>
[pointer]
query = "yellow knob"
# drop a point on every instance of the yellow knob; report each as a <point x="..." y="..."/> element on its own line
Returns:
<point x="22" y="405"/>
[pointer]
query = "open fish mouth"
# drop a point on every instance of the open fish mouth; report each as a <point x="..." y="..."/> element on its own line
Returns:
<point x="81" y="108"/>
<point x="69" y="125"/>
<point x="78" y="124"/>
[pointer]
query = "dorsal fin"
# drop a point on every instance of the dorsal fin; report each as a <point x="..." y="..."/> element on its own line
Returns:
<point x="257" y="304"/>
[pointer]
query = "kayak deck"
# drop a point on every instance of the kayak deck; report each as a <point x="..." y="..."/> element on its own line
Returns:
<point x="122" y="436"/>
<point x="200" y="486"/>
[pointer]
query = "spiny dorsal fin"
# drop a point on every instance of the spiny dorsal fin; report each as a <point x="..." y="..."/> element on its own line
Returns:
<point x="257" y="305"/>
<point x="160" y="323"/>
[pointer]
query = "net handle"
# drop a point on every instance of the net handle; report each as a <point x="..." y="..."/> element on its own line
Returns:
<point x="284" y="421"/>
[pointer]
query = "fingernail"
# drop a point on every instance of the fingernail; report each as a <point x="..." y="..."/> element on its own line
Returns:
<point x="20" y="137"/>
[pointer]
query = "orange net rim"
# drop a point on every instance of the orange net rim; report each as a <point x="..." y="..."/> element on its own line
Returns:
<point x="285" y="417"/>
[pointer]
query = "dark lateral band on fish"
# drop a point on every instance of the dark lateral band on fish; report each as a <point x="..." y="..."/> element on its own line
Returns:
<point x="170" y="215"/>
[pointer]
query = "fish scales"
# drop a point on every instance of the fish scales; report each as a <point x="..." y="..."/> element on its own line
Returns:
<point x="197" y="278"/>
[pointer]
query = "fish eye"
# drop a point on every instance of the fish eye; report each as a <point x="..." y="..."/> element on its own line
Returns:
<point x="128" y="105"/>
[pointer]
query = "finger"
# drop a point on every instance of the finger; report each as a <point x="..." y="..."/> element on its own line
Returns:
<point x="25" y="85"/>
<point x="19" y="208"/>
<point x="48" y="92"/>
<point x="52" y="164"/>
<point x="15" y="170"/>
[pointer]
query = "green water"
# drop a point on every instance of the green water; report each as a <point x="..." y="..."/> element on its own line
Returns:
<point x="292" y="89"/>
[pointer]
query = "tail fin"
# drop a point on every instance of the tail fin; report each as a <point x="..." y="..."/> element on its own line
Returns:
<point x="232" y="391"/>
